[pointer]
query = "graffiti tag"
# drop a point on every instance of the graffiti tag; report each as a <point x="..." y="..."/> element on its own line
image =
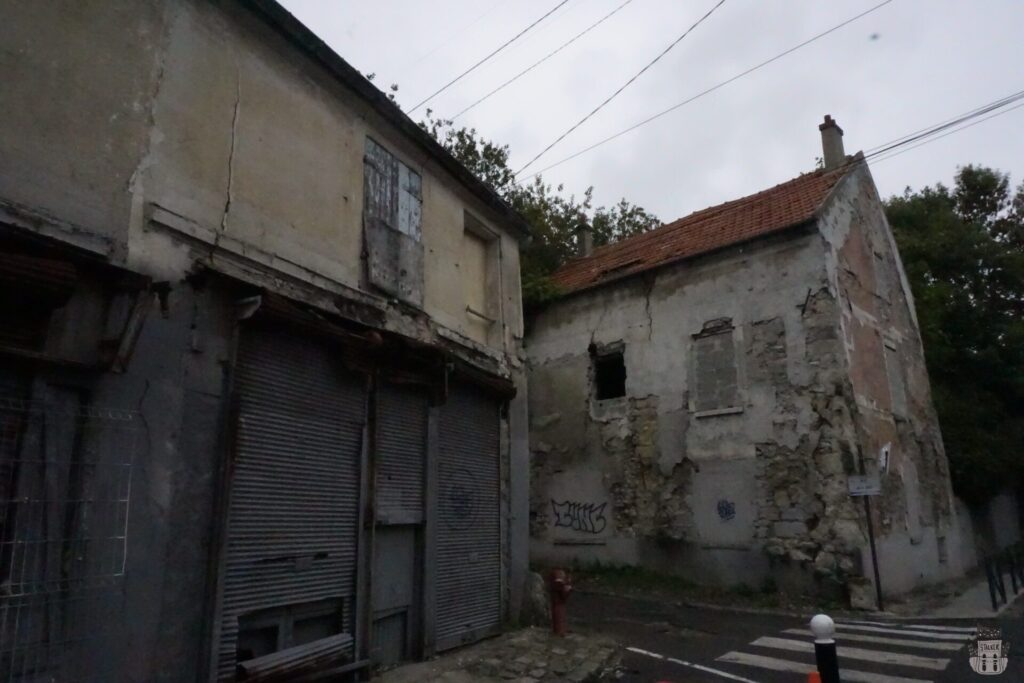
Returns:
<point x="459" y="500"/>
<point x="585" y="517"/>
<point x="726" y="509"/>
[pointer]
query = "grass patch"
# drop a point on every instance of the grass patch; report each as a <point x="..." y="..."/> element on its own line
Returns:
<point x="646" y="583"/>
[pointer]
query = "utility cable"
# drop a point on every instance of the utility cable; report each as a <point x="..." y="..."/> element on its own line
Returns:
<point x="887" y="150"/>
<point x="959" y="118"/>
<point x="940" y="127"/>
<point x="623" y="87"/>
<point x="882" y="158"/>
<point x="921" y="144"/>
<point x="710" y="90"/>
<point x="419" y="60"/>
<point x="499" y="49"/>
<point x="543" y="59"/>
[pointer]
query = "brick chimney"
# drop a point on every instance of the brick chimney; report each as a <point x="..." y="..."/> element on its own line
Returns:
<point x="584" y="239"/>
<point x="832" y="143"/>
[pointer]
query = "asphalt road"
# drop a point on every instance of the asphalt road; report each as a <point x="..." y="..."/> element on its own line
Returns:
<point x="715" y="646"/>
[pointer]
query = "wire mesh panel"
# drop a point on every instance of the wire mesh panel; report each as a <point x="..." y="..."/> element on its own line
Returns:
<point x="65" y="484"/>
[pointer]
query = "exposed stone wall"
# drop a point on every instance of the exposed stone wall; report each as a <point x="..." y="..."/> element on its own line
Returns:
<point x="757" y="381"/>
<point x="915" y="518"/>
<point x="723" y="493"/>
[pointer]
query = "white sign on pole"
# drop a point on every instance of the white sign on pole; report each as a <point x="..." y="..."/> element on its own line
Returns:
<point x="864" y="485"/>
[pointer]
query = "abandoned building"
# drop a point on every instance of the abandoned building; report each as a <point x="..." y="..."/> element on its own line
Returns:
<point x="711" y="386"/>
<point x="262" y="399"/>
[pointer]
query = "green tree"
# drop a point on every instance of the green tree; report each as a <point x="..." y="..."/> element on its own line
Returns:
<point x="555" y="218"/>
<point x="963" y="250"/>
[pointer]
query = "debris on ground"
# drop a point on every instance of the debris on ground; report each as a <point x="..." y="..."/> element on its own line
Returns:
<point x="530" y="655"/>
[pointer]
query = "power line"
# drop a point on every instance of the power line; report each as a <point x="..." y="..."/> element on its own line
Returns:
<point x="922" y="137"/>
<point x="419" y="60"/>
<point x="959" y="118"/>
<point x="543" y="59"/>
<point x="499" y="49"/>
<point x="940" y="127"/>
<point x="957" y="130"/>
<point x="623" y="87"/>
<point x="975" y="123"/>
<point x="711" y="89"/>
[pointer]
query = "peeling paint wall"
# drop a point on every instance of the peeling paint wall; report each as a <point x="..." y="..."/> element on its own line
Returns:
<point x="191" y="126"/>
<point x="748" y="404"/>
<point x="176" y="138"/>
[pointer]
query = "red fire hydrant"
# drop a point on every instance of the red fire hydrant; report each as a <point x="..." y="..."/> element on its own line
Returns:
<point x="559" y="586"/>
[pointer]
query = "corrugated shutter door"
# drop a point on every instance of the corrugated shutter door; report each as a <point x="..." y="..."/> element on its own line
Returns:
<point x="293" y="517"/>
<point x="468" y="590"/>
<point x="401" y="448"/>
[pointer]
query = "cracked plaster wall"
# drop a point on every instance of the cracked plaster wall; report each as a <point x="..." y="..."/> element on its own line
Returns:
<point x="166" y="131"/>
<point x="699" y="493"/>
<point x="736" y="495"/>
<point x="163" y="135"/>
<point x="882" y="349"/>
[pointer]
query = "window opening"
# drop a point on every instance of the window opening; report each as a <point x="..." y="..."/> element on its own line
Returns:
<point x="609" y="375"/>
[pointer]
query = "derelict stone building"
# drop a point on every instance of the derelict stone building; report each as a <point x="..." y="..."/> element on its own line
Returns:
<point x="710" y="387"/>
<point x="262" y="409"/>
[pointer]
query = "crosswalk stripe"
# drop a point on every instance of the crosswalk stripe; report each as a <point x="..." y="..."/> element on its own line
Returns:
<point x="878" y="656"/>
<point x="881" y="640"/>
<point x="846" y="675"/>
<point x="924" y="627"/>
<point x="951" y="629"/>
<point x="699" y="667"/>
<point x="904" y="632"/>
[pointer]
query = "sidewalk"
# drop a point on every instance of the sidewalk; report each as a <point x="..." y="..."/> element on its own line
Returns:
<point x="529" y="655"/>
<point x="966" y="598"/>
<point x="973" y="603"/>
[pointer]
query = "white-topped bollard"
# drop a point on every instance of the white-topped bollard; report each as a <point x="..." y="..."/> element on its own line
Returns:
<point x="824" y="630"/>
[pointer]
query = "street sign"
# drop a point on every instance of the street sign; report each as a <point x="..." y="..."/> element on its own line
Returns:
<point x="864" y="485"/>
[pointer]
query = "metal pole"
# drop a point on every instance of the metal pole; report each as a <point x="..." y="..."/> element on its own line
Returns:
<point x="874" y="552"/>
<point x="1000" y="581"/>
<point x="825" y="648"/>
<point x="1012" y="561"/>
<point x="991" y="583"/>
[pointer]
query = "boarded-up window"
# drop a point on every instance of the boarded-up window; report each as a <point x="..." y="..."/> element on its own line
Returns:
<point x="392" y="221"/>
<point x="714" y="366"/>
<point x="474" y="274"/>
<point x="897" y="387"/>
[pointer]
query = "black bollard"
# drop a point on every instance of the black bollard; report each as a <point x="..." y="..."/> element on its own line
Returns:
<point x="824" y="630"/>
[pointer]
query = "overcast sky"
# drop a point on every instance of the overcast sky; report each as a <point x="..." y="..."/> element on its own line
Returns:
<point x="907" y="65"/>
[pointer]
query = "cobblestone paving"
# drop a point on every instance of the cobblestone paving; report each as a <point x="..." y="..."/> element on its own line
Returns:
<point x="530" y="655"/>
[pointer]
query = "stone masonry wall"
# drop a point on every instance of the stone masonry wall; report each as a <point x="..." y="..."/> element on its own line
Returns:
<point x="757" y="381"/>
<point x="728" y="494"/>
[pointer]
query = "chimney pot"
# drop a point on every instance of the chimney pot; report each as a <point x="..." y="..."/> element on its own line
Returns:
<point x="832" y="150"/>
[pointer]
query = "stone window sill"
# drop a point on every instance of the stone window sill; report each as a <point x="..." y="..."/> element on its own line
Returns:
<point x="718" y="412"/>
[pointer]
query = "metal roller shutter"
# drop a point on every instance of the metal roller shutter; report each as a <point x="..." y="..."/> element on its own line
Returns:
<point x="401" y="448"/>
<point x="293" y="517"/>
<point x="468" y="587"/>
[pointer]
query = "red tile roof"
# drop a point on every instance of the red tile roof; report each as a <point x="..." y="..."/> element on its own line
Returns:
<point x="783" y="206"/>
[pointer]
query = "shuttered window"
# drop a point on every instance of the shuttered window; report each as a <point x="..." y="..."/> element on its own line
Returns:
<point x="716" y="384"/>
<point x="392" y="221"/>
